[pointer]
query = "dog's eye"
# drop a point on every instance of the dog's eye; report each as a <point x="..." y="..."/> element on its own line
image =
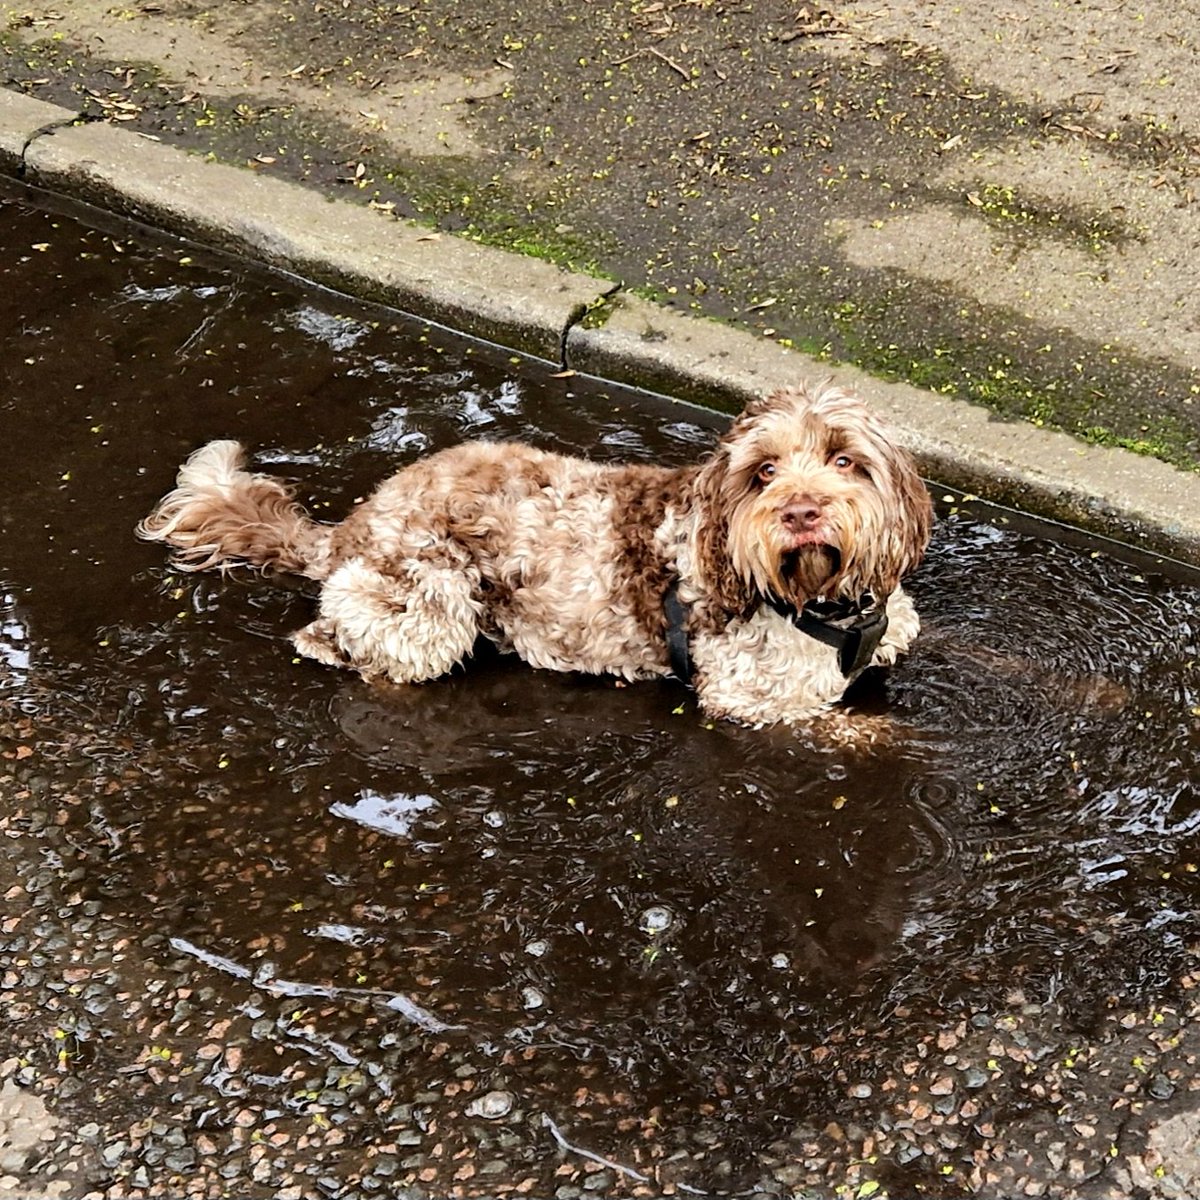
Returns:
<point x="843" y="462"/>
<point x="766" y="472"/>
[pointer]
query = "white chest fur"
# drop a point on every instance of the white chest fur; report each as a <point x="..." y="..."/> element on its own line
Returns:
<point x="762" y="668"/>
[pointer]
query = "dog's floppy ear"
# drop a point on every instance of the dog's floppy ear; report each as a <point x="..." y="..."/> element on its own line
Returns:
<point x="908" y="534"/>
<point x="711" y="502"/>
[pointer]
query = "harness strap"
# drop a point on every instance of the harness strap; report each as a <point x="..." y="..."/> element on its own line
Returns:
<point x="854" y="628"/>
<point x="676" y="613"/>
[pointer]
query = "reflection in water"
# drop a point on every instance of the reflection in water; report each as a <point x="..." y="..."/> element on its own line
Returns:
<point x="395" y="814"/>
<point x="14" y="642"/>
<point x="336" y="332"/>
<point x="590" y="872"/>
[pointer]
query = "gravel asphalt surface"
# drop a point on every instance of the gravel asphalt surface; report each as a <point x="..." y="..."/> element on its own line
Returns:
<point x="985" y="213"/>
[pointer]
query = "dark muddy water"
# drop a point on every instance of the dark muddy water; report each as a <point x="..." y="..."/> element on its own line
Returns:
<point x="609" y="906"/>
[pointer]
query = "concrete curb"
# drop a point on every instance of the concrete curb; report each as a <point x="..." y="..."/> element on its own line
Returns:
<point x="22" y="119"/>
<point x="519" y="302"/>
<point x="538" y="309"/>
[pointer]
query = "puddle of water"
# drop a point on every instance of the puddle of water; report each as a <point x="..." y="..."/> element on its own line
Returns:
<point x="683" y="914"/>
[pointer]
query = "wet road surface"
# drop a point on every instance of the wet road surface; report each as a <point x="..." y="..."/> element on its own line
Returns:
<point x="269" y="930"/>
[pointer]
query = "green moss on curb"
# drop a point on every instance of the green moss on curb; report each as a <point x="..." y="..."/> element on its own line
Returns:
<point x="445" y="194"/>
<point x="599" y="312"/>
<point x="1069" y="401"/>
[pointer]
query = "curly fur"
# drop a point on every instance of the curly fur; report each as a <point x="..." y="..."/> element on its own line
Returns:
<point x="565" y="561"/>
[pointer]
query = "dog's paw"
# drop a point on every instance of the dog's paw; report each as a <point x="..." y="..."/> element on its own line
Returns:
<point x="318" y="641"/>
<point x="852" y="729"/>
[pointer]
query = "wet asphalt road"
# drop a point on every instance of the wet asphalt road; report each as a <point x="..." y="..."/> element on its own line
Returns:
<point x="267" y="932"/>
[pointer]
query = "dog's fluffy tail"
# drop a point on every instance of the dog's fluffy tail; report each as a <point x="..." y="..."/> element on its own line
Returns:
<point x="221" y="515"/>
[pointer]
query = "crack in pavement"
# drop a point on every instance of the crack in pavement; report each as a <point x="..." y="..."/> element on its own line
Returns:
<point x="43" y="131"/>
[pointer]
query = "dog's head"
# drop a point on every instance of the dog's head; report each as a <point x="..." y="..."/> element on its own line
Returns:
<point x="808" y="495"/>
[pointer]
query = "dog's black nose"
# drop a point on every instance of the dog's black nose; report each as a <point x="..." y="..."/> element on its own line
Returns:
<point x="800" y="514"/>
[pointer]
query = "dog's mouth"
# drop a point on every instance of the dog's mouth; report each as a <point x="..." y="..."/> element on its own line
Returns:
<point x="811" y="552"/>
<point x="808" y="567"/>
<point x="808" y="539"/>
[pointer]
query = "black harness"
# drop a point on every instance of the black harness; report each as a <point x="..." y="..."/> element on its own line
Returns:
<point x="676" y="613"/>
<point x="854" y="628"/>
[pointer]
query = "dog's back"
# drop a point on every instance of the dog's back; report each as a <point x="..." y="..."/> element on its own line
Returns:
<point x="558" y="551"/>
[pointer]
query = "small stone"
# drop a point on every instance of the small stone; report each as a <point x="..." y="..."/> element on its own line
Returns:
<point x="861" y="1091"/>
<point x="973" y="1077"/>
<point x="942" y="1086"/>
<point x="385" y="1165"/>
<point x="792" y="1175"/>
<point x="491" y="1105"/>
<point x="1160" y="1087"/>
<point x="112" y="1154"/>
<point x="656" y="919"/>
